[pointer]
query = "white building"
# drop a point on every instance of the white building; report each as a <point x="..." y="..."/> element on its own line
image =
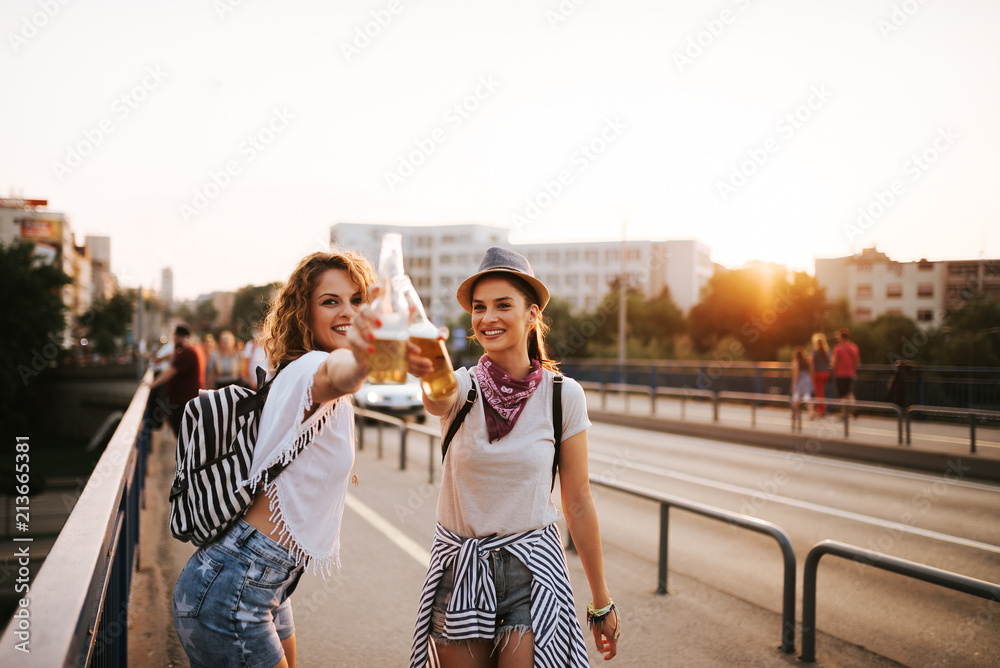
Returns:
<point x="924" y="291"/>
<point x="439" y="257"/>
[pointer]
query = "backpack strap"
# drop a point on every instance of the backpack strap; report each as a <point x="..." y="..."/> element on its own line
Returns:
<point x="462" y="412"/>
<point x="557" y="423"/>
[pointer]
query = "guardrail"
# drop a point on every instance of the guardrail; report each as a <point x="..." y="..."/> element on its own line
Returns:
<point x="971" y="414"/>
<point x="911" y="569"/>
<point x="668" y="501"/>
<point x="753" y="398"/>
<point x="404" y="428"/>
<point x="77" y="612"/>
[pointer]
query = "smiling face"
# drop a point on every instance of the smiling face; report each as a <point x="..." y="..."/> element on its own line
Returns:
<point x="501" y="316"/>
<point x="332" y="304"/>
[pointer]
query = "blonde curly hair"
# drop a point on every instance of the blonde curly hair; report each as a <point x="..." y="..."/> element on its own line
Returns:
<point x="286" y="335"/>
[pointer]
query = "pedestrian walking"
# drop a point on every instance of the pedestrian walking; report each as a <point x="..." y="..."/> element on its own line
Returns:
<point x="820" y="371"/>
<point x="182" y="379"/>
<point x="224" y="364"/>
<point x="802" y="385"/>
<point x="844" y="362"/>
<point x="497" y="591"/>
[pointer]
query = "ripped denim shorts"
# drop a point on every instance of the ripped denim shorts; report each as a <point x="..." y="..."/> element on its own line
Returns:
<point x="231" y="605"/>
<point x="513" y="586"/>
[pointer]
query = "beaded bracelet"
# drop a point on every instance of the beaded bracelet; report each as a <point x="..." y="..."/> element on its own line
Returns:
<point x="598" y="616"/>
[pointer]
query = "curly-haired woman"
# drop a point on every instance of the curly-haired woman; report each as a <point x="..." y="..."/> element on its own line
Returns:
<point x="231" y="603"/>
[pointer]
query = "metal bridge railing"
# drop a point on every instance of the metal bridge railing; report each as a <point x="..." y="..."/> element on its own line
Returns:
<point x="404" y="427"/>
<point x="668" y="501"/>
<point x="78" y="603"/>
<point x="911" y="569"/>
<point x="970" y="414"/>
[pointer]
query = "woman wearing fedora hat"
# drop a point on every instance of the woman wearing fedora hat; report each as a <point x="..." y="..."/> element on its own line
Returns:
<point x="497" y="591"/>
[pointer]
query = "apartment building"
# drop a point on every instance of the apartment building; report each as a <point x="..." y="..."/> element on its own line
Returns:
<point x="439" y="257"/>
<point x="925" y="291"/>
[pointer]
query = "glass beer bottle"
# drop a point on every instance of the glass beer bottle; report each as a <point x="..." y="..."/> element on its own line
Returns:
<point x="440" y="382"/>
<point x="387" y="365"/>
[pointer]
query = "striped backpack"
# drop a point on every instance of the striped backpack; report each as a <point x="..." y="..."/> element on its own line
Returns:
<point x="214" y="452"/>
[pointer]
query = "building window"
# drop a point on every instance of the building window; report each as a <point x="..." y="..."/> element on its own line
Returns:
<point x="633" y="254"/>
<point x="865" y="291"/>
<point x="590" y="256"/>
<point x="925" y="289"/>
<point x="423" y="241"/>
<point x="925" y="315"/>
<point x="463" y="259"/>
<point x="924" y="265"/>
<point x="894" y="311"/>
<point x="446" y="259"/>
<point x="894" y="290"/>
<point x="862" y="314"/>
<point x="552" y="257"/>
<point x="572" y="280"/>
<point x="448" y="239"/>
<point x="864" y="268"/>
<point x="590" y="280"/>
<point x="895" y="268"/>
<point x="572" y="256"/>
<point x="612" y="255"/>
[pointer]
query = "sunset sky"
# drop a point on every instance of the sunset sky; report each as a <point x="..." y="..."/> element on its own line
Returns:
<point x="222" y="138"/>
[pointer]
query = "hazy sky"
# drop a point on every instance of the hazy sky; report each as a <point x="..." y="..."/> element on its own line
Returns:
<point x="224" y="137"/>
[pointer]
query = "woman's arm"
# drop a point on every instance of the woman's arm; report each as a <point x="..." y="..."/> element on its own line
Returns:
<point x="581" y="517"/>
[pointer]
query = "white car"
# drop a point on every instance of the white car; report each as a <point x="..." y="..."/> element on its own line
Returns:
<point x="397" y="400"/>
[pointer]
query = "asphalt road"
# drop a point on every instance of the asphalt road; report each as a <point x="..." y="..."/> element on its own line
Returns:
<point x="725" y="583"/>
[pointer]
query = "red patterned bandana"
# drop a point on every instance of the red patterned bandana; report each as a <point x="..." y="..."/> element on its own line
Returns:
<point x="504" y="395"/>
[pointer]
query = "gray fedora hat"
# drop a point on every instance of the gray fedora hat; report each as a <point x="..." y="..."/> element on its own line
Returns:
<point x="502" y="261"/>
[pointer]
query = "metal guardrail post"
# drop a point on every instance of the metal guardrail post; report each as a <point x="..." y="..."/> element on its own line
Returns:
<point x="733" y="519"/>
<point x="379" y="423"/>
<point x="652" y="399"/>
<point x="972" y="433"/>
<point x="604" y="396"/>
<point x="908" y="441"/>
<point x="715" y="406"/>
<point x="859" y="555"/>
<point x="664" y="544"/>
<point x="402" y="447"/>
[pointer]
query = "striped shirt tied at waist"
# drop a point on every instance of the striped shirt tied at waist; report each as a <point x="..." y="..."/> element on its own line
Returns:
<point x="471" y="613"/>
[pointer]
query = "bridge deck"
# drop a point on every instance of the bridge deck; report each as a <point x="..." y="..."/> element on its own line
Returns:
<point x="364" y="615"/>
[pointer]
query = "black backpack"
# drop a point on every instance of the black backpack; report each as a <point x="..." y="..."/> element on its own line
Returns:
<point x="557" y="426"/>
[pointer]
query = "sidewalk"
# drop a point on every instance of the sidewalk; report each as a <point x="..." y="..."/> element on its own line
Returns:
<point x="935" y="446"/>
<point x="363" y="616"/>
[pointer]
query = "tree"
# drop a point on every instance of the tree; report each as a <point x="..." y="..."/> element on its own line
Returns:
<point x="106" y="323"/>
<point x="762" y="306"/>
<point x="970" y="336"/>
<point x="32" y="317"/>
<point x="884" y="340"/>
<point x="249" y="308"/>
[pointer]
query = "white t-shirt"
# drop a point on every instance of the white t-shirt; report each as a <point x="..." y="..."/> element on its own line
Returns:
<point x="504" y="487"/>
<point x="307" y="498"/>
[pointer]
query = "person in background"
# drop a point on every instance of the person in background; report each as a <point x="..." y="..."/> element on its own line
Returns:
<point x="224" y="365"/>
<point x="159" y="362"/>
<point x="821" y="371"/>
<point x="254" y="357"/>
<point x="182" y="378"/>
<point x="205" y="347"/>
<point x="801" y="378"/>
<point x="844" y="362"/>
<point x="497" y="590"/>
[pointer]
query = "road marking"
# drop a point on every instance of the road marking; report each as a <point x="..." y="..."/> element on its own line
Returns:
<point x="409" y="546"/>
<point x="805" y="505"/>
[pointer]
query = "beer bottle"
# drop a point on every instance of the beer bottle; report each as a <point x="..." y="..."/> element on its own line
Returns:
<point x="387" y="365"/>
<point x="440" y="382"/>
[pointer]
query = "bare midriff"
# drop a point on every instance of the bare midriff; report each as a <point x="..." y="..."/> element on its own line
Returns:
<point x="258" y="515"/>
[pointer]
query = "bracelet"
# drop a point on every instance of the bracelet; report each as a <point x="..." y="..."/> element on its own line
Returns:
<point x="598" y="617"/>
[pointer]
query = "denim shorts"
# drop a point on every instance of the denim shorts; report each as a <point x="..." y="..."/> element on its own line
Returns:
<point x="513" y="585"/>
<point x="231" y="605"/>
